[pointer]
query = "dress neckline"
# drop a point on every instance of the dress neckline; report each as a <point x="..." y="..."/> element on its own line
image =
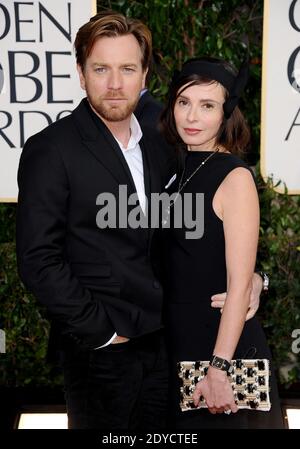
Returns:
<point x="206" y="152"/>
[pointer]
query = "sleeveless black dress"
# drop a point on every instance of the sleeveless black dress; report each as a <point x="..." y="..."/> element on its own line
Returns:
<point x="196" y="270"/>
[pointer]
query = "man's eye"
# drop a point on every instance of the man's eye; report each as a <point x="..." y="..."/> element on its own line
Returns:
<point x="128" y="69"/>
<point x="100" y="69"/>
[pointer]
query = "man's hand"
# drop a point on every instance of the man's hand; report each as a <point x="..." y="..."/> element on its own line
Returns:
<point x="218" y="300"/>
<point x="119" y="339"/>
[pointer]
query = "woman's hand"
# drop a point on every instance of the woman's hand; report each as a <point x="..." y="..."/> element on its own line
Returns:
<point x="217" y="392"/>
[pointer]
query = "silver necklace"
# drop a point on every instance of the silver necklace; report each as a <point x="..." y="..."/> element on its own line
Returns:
<point x="182" y="185"/>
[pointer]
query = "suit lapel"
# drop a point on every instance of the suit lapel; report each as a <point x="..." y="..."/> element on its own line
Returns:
<point x="152" y="176"/>
<point x="97" y="138"/>
<point x="146" y="170"/>
<point x="152" y="173"/>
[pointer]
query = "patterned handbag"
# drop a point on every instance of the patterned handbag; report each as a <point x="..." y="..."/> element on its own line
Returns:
<point x="250" y="379"/>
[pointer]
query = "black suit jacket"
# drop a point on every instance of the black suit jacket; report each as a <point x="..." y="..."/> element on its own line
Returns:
<point x="93" y="282"/>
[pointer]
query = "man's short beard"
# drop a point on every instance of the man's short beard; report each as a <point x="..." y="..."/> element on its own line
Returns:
<point x="111" y="114"/>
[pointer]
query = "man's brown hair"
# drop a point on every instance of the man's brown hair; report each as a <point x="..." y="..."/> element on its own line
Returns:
<point x="112" y="24"/>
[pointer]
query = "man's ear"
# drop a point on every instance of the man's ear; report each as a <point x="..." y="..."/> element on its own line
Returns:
<point x="81" y="76"/>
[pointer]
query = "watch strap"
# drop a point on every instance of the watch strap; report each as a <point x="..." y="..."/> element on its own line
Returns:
<point x="220" y="363"/>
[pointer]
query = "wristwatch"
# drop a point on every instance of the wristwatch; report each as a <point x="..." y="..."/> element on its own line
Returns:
<point x="265" y="279"/>
<point x="222" y="364"/>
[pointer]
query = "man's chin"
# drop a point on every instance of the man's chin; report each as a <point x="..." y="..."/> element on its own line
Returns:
<point x="116" y="116"/>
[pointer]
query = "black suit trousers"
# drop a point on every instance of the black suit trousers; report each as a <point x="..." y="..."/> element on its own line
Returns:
<point x="121" y="386"/>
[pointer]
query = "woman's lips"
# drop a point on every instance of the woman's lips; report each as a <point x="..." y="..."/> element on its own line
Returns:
<point x="192" y="131"/>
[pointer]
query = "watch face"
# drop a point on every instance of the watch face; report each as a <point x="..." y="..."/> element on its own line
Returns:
<point x="218" y="362"/>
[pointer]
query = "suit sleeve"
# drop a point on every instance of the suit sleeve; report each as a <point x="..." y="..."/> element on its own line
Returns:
<point x="42" y="221"/>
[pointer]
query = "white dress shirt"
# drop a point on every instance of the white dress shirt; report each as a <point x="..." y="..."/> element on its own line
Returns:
<point x="134" y="159"/>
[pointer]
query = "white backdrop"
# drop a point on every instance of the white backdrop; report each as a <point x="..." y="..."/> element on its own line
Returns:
<point x="38" y="80"/>
<point x="280" y="122"/>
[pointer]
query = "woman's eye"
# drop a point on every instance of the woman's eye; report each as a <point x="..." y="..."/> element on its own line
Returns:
<point x="208" y="106"/>
<point x="182" y="102"/>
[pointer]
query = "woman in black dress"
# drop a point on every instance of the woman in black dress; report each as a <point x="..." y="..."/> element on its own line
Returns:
<point x="203" y="120"/>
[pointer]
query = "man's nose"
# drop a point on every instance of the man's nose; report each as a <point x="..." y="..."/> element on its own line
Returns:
<point x="115" y="80"/>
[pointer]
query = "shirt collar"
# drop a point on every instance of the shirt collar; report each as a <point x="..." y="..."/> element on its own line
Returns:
<point x="135" y="134"/>
<point x="143" y="91"/>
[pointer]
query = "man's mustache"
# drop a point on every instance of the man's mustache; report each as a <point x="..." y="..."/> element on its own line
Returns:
<point x="115" y="95"/>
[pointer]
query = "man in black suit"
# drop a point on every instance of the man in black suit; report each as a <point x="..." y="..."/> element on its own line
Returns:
<point x="99" y="283"/>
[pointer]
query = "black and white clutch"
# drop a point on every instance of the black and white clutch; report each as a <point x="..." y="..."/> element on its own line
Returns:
<point x="250" y="380"/>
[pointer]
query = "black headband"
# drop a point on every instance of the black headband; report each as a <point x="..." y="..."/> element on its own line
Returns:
<point x="217" y="71"/>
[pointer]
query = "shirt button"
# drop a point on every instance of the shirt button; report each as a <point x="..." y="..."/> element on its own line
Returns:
<point x="156" y="284"/>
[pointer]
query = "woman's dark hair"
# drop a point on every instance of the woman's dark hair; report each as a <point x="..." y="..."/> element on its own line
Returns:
<point x="234" y="134"/>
